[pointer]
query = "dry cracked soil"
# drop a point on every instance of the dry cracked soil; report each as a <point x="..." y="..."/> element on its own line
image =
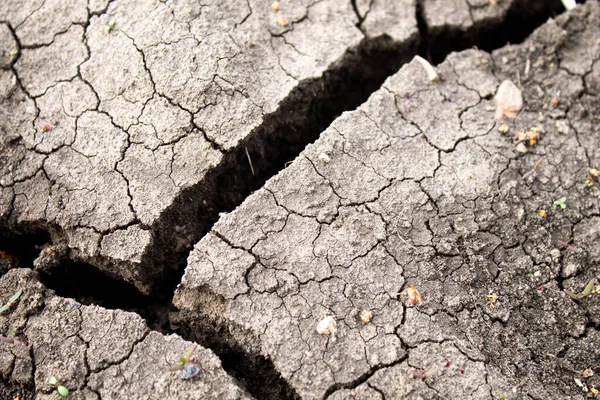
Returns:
<point x="303" y="199"/>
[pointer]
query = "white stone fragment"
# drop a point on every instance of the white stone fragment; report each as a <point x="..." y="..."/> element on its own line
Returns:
<point x="521" y="148"/>
<point x="324" y="157"/>
<point x="569" y="4"/>
<point x="327" y="326"/>
<point x="562" y="127"/>
<point x="509" y="100"/>
<point x="432" y="75"/>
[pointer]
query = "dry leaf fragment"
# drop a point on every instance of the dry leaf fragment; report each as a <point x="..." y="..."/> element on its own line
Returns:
<point x="509" y="100"/>
<point x="492" y="298"/>
<point x="521" y="135"/>
<point x="533" y="135"/>
<point x="414" y="296"/>
<point x="543" y="214"/>
<point x="589" y="182"/>
<point x="595" y="392"/>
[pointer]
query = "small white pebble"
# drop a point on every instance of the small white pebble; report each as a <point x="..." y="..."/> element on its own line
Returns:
<point x="562" y="126"/>
<point x="537" y="274"/>
<point x="569" y="4"/>
<point x="324" y="157"/>
<point x="509" y="100"/>
<point x="521" y="148"/>
<point x="327" y="326"/>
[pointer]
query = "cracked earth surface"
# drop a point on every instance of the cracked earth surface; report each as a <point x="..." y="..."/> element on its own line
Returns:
<point x="122" y="128"/>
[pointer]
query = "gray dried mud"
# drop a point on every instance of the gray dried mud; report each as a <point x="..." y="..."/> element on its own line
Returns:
<point x="94" y="352"/>
<point x="129" y="128"/>
<point x="418" y="187"/>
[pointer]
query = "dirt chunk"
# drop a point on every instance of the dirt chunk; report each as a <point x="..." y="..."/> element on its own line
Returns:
<point x="95" y="352"/>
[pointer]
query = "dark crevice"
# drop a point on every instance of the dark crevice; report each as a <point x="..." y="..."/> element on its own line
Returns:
<point x="300" y="119"/>
<point x="19" y="250"/>
<point x="521" y="19"/>
<point x="11" y="390"/>
<point x="238" y="352"/>
<point x="88" y="285"/>
<point x="361" y="18"/>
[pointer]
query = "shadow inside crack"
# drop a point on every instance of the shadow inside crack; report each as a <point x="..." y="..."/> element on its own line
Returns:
<point x="88" y="285"/>
<point x="11" y="390"/>
<point x="299" y="120"/>
<point x="19" y="250"/>
<point x="254" y="372"/>
<point x="521" y="19"/>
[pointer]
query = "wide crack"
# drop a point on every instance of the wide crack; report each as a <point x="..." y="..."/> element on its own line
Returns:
<point x="300" y="119"/>
<point x="521" y="19"/>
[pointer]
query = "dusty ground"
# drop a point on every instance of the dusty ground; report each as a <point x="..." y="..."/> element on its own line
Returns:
<point x="128" y="128"/>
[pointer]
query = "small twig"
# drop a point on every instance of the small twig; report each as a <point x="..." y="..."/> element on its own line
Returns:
<point x="402" y="239"/>
<point x="534" y="170"/>
<point x="567" y="246"/>
<point x="10" y="340"/>
<point x="249" y="161"/>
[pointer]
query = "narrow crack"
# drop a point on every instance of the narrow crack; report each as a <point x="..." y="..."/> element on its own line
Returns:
<point x="363" y="378"/>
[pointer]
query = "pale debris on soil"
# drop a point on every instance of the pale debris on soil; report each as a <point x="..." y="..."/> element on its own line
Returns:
<point x="509" y="100"/>
<point x="327" y="326"/>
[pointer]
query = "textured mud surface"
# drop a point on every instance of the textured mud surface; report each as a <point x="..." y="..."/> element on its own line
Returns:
<point x="120" y="120"/>
<point x="418" y="187"/>
<point x="94" y="352"/>
<point x="127" y="128"/>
